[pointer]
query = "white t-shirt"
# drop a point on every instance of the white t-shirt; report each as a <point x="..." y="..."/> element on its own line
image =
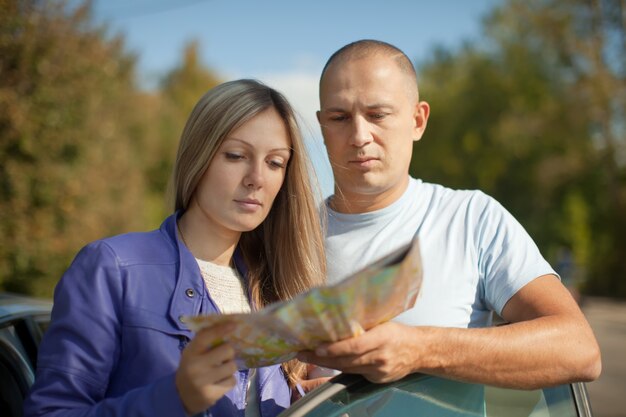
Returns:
<point x="475" y="255"/>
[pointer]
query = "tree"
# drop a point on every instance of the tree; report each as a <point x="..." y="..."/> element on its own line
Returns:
<point x="68" y="143"/>
<point x="536" y="118"/>
<point x="585" y="44"/>
<point x="180" y="90"/>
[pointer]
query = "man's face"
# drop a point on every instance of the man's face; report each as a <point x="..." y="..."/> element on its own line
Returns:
<point x="370" y="117"/>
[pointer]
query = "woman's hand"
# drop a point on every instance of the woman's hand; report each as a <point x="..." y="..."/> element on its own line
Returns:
<point x="205" y="373"/>
<point x="315" y="377"/>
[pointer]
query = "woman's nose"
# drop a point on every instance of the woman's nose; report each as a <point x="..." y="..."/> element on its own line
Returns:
<point x="254" y="177"/>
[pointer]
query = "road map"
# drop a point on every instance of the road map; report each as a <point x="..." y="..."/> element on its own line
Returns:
<point x="374" y="295"/>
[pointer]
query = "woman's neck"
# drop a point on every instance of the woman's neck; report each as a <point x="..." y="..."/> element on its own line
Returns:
<point x="206" y="243"/>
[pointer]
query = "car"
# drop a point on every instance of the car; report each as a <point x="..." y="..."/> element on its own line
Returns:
<point x="424" y="395"/>
<point x="23" y="321"/>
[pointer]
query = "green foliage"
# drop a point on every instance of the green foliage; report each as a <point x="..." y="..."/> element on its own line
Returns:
<point x="532" y="119"/>
<point x="66" y="153"/>
<point x="80" y="155"/>
<point x="536" y="119"/>
<point x="181" y="88"/>
<point x="184" y="85"/>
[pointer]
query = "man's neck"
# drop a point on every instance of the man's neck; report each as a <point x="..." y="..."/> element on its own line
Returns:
<point x="357" y="202"/>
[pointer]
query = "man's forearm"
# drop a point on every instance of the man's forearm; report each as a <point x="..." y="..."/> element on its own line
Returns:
<point x="548" y="343"/>
<point x="545" y="351"/>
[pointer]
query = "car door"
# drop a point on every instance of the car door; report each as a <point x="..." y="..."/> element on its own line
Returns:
<point x="19" y="339"/>
<point x="424" y="395"/>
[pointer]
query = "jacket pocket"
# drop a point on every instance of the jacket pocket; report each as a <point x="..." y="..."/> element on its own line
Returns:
<point x="152" y="339"/>
<point x="140" y="318"/>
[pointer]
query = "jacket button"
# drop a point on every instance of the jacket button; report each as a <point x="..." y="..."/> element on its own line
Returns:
<point x="190" y="292"/>
<point x="181" y="318"/>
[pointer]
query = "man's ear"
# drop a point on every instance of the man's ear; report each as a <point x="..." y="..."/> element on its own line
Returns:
<point x="318" y="114"/>
<point x="422" y="111"/>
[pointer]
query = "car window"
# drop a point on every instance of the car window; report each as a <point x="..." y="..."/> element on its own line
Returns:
<point x="10" y="393"/>
<point x="42" y="323"/>
<point x="16" y="374"/>
<point x="549" y="402"/>
<point x="422" y="395"/>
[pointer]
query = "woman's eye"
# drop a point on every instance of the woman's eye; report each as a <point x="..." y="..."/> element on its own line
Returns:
<point x="277" y="163"/>
<point x="233" y="156"/>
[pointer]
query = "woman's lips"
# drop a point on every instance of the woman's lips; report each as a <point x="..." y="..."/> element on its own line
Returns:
<point x="250" y="205"/>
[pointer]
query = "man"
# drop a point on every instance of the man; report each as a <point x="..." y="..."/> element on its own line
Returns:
<point x="477" y="257"/>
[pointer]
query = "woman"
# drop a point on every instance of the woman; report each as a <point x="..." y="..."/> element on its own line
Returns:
<point x="245" y="233"/>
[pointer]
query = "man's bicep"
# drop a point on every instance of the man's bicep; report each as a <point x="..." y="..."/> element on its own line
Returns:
<point x="543" y="296"/>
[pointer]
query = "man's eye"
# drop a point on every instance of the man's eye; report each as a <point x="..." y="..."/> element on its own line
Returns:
<point x="378" y="116"/>
<point x="338" y="118"/>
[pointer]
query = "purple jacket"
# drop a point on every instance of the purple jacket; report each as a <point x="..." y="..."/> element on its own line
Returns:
<point x="115" y="339"/>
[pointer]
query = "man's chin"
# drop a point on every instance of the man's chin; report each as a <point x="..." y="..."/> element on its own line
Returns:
<point x="369" y="188"/>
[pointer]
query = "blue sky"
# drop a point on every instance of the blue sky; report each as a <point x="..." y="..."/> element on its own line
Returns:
<point x="284" y="43"/>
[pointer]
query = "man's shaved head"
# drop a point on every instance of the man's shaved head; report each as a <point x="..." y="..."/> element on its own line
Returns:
<point x="367" y="48"/>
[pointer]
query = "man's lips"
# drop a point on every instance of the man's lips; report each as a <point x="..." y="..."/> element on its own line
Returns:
<point x="363" y="162"/>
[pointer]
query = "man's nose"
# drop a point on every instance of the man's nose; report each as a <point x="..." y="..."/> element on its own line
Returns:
<point x="361" y="132"/>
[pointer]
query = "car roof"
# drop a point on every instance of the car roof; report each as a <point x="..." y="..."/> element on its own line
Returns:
<point x="13" y="305"/>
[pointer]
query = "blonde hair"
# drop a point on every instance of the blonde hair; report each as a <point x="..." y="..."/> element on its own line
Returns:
<point x="285" y="253"/>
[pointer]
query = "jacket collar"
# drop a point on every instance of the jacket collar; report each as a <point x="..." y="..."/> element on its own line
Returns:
<point x="189" y="279"/>
<point x="189" y="290"/>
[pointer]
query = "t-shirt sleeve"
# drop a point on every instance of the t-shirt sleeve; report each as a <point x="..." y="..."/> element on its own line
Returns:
<point x="508" y="258"/>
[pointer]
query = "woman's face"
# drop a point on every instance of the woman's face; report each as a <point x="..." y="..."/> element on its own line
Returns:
<point x="238" y="188"/>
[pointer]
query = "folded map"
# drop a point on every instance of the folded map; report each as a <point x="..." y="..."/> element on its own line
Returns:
<point x="374" y="295"/>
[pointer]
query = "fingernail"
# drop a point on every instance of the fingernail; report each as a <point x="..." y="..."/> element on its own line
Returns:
<point x="321" y="351"/>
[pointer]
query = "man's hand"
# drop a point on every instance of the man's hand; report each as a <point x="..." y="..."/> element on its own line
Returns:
<point x="548" y="342"/>
<point x="384" y="353"/>
<point x="205" y="373"/>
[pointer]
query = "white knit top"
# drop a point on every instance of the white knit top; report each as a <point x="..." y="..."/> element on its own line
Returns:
<point x="227" y="290"/>
<point x="225" y="286"/>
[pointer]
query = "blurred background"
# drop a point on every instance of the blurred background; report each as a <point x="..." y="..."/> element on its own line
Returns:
<point x="528" y="104"/>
